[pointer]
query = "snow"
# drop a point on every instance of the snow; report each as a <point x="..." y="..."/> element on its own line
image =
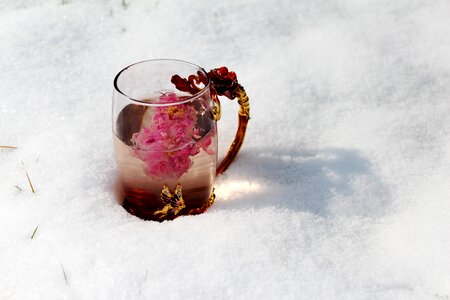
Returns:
<point x="340" y="191"/>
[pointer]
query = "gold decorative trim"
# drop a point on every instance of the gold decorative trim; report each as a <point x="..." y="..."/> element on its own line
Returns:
<point x="244" y="103"/>
<point x="216" y="110"/>
<point x="174" y="203"/>
<point x="212" y="198"/>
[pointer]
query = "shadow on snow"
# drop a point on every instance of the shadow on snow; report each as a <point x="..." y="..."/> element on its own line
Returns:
<point x="326" y="182"/>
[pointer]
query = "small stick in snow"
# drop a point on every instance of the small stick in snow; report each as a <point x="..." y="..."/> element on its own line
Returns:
<point x="8" y="147"/>
<point x="18" y="187"/>
<point x="28" y="177"/>
<point x="64" y="273"/>
<point x="34" y="232"/>
<point x="29" y="181"/>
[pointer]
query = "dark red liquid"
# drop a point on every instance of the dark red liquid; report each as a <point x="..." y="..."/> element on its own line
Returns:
<point x="144" y="204"/>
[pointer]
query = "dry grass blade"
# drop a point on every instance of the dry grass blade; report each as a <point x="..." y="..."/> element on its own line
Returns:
<point x="34" y="232"/>
<point x="29" y="181"/>
<point x="8" y="147"/>
<point x="18" y="187"/>
<point x="64" y="273"/>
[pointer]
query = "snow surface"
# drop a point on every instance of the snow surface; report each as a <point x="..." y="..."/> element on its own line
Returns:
<point x="341" y="190"/>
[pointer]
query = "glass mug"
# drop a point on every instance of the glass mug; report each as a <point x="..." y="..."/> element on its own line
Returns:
<point x="165" y="115"/>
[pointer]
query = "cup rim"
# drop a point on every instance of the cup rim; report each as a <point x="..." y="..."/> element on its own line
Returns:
<point x="185" y="99"/>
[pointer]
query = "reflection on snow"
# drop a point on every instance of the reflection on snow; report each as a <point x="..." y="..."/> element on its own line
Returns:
<point x="232" y="189"/>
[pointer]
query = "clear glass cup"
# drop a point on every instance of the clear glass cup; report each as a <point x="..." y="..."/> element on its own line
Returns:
<point x="165" y="138"/>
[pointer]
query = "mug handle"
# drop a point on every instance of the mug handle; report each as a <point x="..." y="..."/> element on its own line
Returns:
<point x="223" y="83"/>
<point x="244" y="117"/>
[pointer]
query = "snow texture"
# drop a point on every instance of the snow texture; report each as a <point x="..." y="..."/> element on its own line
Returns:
<point x="341" y="190"/>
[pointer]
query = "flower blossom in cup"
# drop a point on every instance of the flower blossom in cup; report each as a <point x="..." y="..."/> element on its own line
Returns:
<point x="168" y="144"/>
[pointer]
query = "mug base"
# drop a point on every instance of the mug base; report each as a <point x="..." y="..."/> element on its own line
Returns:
<point x="148" y="213"/>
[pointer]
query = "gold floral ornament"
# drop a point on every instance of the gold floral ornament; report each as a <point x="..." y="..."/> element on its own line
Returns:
<point x="174" y="203"/>
<point x="223" y="83"/>
<point x="212" y="198"/>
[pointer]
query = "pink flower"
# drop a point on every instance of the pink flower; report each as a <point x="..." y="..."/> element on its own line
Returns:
<point x="181" y="163"/>
<point x="205" y="144"/>
<point x="168" y="144"/>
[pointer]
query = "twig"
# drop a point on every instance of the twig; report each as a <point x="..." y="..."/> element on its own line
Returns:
<point x="34" y="232"/>
<point x="28" y="177"/>
<point x="18" y="187"/>
<point x="29" y="181"/>
<point x="64" y="273"/>
<point x="8" y="147"/>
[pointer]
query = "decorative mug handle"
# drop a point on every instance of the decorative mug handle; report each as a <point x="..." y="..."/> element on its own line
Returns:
<point x="223" y="83"/>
